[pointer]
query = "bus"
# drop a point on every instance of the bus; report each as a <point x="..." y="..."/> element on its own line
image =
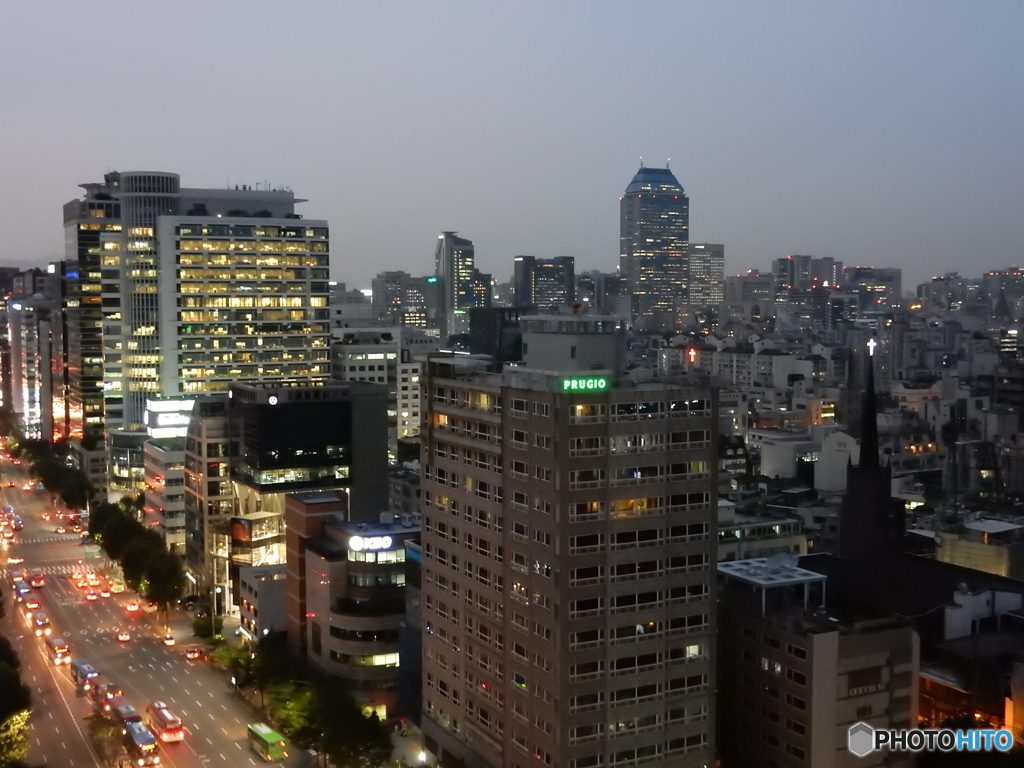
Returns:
<point x="163" y="723"/>
<point x="37" y="579"/>
<point x="266" y="742"/>
<point x="40" y="624"/>
<point x="82" y="672"/>
<point x="58" y="649"/>
<point x="103" y="691"/>
<point x="141" y="745"/>
<point x="123" y="710"/>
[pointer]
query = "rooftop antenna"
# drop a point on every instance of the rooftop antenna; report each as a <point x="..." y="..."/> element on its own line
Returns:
<point x="641" y="161"/>
<point x="668" y="163"/>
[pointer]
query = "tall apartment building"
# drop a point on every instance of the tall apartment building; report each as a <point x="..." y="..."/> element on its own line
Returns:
<point x="197" y="287"/>
<point x="547" y="284"/>
<point x="391" y="357"/>
<point x="654" y="234"/>
<point x="706" y="274"/>
<point x="568" y="557"/>
<point x="463" y="286"/>
<point x="401" y="299"/>
<point x="796" y="676"/>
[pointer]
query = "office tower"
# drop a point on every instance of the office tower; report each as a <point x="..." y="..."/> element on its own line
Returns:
<point x="36" y="373"/>
<point x="707" y="274"/>
<point x="391" y="357"/>
<point x="163" y="460"/>
<point x="796" y="676"/>
<point x="251" y="300"/>
<point x="350" y="308"/>
<point x="878" y="288"/>
<point x="826" y="272"/>
<point x="209" y="496"/>
<point x="547" y="284"/>
<point x="199" y="287"/>
<point x="463" y="285"/>
<point x="401" y="299"/>
<point x="604" y="293"/>
<point x="654" y="224"/>
<point x="792" y="272"/>
<point x="568" y="556"/>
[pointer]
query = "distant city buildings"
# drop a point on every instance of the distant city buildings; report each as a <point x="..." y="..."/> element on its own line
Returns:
<point x="706" y="262"/>
<point x="547" y="284"/>
<point x="463" y="286"/>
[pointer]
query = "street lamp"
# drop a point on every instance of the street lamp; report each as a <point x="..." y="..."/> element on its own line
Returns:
<point x="213" y="611"/>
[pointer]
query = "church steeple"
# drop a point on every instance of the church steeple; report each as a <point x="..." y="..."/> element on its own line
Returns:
<point x="869" y="419"/>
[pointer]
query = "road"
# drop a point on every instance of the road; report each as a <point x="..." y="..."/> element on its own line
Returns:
<point x="147" y="670"/>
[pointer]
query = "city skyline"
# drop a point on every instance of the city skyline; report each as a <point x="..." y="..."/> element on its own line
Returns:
<point x="873" y="138"/>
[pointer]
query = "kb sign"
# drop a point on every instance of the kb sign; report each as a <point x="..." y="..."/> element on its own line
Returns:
<point x="369" y="543"/>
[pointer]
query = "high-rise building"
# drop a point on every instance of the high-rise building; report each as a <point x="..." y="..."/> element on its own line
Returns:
<point x="401" y="299"/>
<point x="805" y="272"/>
<point x="878" y="288"/>
<point x="462" y="285"/>
<point x="197" y="288"/>
<point x="391" y="357"/>
<point x="546" y="284"/>
<point x="654" y="233"/>
<point x="707" y="274"/>
<point x="568" y="556"/>
<point x="604" y="293"/>
<point x="34" y="332"/>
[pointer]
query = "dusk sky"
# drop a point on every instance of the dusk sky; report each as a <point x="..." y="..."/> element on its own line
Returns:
<point x="874" y="132"/>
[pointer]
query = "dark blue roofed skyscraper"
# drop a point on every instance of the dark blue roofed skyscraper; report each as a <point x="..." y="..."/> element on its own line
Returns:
<point x="654" y="233"/>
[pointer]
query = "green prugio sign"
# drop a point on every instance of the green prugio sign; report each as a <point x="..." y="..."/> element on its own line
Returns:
<point x="585" y="384"/>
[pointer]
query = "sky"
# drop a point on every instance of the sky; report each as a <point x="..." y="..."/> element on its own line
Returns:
<point x="878" y="133"/>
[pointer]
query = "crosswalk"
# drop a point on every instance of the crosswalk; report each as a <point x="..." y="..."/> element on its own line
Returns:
<point x="66" y="537"/>
<point x="62" y="569"/>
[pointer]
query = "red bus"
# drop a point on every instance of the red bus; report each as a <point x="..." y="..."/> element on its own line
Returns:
<point x="163" y="723"/>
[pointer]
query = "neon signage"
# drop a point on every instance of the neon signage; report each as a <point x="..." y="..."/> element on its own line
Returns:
<point x="585" y="384"/>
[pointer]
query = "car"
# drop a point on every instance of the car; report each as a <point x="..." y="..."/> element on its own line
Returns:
<point x="193" y="653"/>
<point x="27" y="487"/>
<point x="15" y="560"/>
<point x="132" y="606"/>
<point x="90" y="595"/>
<point x="123" y="637"/>
<point x="60" y="529"/>
<point x="47" y="517"/>
<point x="8" y="534"/>
<point x="104" y="592"/>
<point x="31" y="604"/>
<point x="168" y="639"/>
<point x="76" y="528"/>
<point x="10" y="485"/>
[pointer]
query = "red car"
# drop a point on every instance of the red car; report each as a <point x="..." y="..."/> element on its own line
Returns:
<point x="193" y="653"/>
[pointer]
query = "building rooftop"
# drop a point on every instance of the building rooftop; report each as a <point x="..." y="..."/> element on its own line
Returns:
<point x="992" y="526"/>
<point x="774" y="571"/>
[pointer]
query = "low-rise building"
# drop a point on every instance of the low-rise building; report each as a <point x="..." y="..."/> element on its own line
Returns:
<point x="262" y="600"/>
<point x="795" y="675"/>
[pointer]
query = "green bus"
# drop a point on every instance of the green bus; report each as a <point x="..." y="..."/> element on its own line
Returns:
<point x="266" y="742"/>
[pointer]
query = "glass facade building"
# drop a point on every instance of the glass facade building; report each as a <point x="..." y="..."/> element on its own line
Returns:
<point x="654" y="224"/>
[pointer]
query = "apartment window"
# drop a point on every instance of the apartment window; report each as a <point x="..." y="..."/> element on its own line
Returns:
<point x="795" y="751"/>
<point x="797" y="651"/>
<point x="798" y="727"/>
<point x="541" y="409"/>
<point x="795" y="701"/>
<point x="542" y="441"/>
<point x="797" y="677"/>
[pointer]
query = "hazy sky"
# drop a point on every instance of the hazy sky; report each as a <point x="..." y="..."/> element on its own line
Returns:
<point x="875" y="132"/>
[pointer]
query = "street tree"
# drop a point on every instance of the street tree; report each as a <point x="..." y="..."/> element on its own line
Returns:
<point x="14" y="738"/>
<point x="135" y="558"/>
<point x="163" y="580"/>
<point x="104" y="732"/>
<point x="8" y="655"/>
<point x="350" y="740"/>
<point x="293" y="707"/>
<point x="15" y="696"/>
<point x="118" y="532"/>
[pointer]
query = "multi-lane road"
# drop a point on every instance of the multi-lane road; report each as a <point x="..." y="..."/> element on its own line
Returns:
<point x="146" y="670"/>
